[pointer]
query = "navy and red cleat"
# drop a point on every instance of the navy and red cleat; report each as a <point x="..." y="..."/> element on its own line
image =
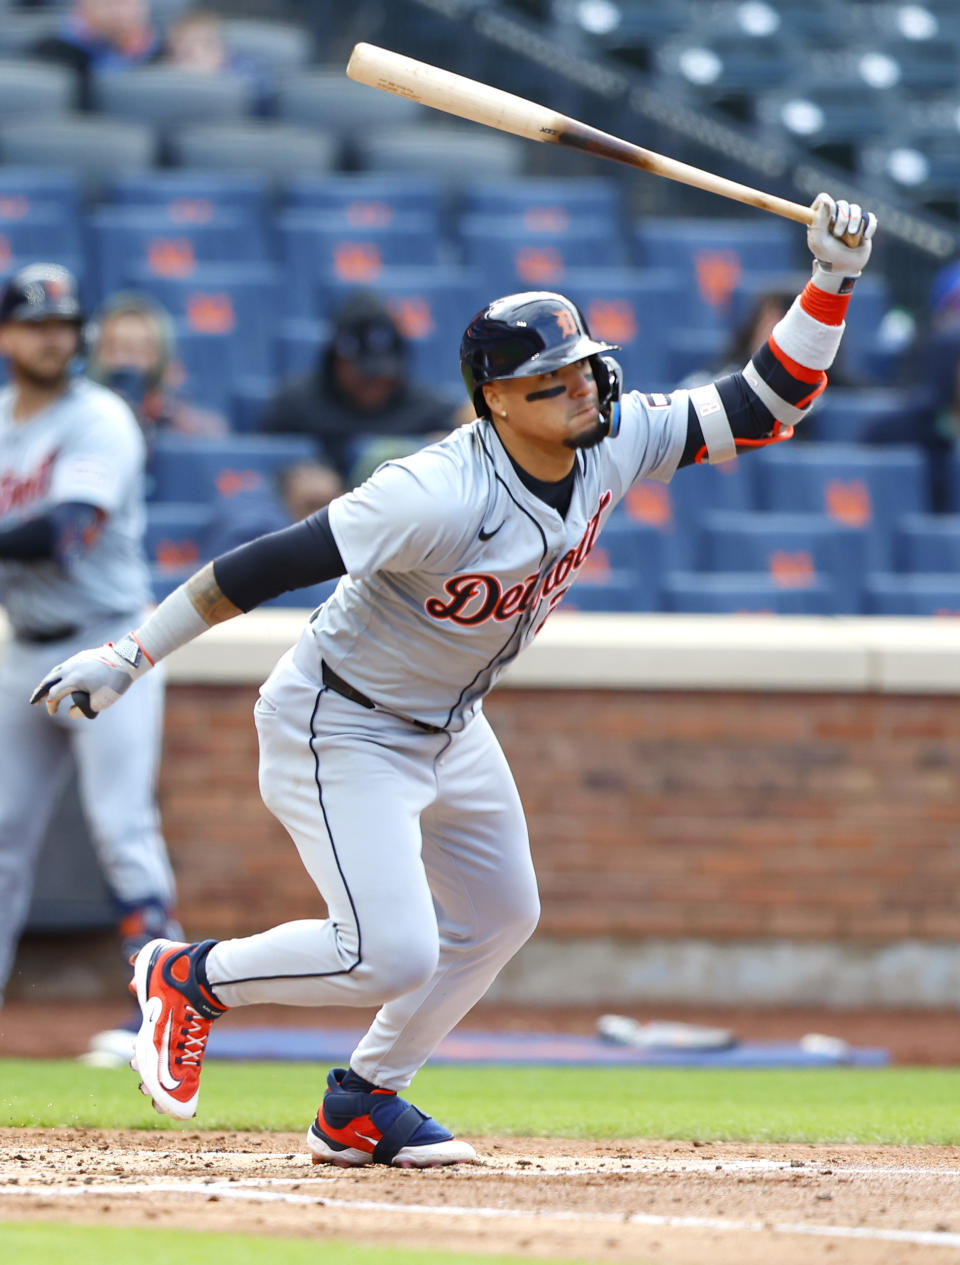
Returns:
<point x="177" y="1009"/>
<point x="360" y="1124"/>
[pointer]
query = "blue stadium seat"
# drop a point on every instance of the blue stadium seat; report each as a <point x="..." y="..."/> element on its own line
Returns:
<point x="363" y="198"/>
<point x="442" y="152"/>
<point x="36" y="230"/>
<point x="923" y="595"/>
<point x="163" y="580"/>
<point x="851" y="415"/>
<point x="543" y="203"/>
<point x="240" y="300"/>
<point x="206" y="360"/>
<point x="736" y="592"/>
<point x="31" y="88"/>
<point x="303" y="599"/>
<point x="318" y="247"/>
<point x="517" y="257"/>
<point x="712" y="257"/>
<point x="853" y="486"/>
<point x="432" y="307"/>
<point x="927" y="542"/>
<point x="93" y="148"/>
<point x="194" y="197"/>
<point x="276" y="151"/>
<point x="794" y="550"/>
<point x="125" y="238"/>
<point x="22" y="188"/>
<point x="249" y="398"/>
<point x="635" y="310"/>
<point x="616" y="591"/>
<point x="325" y="98"/>
<point x="165" y="96"/>
<point x="299" y="344"/>
<point x="207" y="470"/>
<point x="282" y="46"/>
<point x="174" y="534"/>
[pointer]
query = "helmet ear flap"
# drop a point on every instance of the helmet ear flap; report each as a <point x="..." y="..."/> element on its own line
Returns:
<point x="608" y="376"/>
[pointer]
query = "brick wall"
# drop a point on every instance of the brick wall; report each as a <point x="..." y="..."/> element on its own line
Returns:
<point x="708" y="815"/>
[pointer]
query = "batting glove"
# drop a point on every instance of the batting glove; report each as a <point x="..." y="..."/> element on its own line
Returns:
<point x="94" y="679"/>
<point x="834" y="258"/>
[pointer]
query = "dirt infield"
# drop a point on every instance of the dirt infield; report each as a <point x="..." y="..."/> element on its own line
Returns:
<point x="668" y="1202"/>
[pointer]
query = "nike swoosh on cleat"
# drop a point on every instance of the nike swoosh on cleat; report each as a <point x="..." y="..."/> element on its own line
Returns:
<point x="486" y="535"/>
<point x="366" y="1137"/>
<point x="163" y="1071"/>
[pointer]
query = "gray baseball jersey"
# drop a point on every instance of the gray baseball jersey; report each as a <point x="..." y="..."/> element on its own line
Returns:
<point x="454" y="564"/>
<point x="85" y="447"/>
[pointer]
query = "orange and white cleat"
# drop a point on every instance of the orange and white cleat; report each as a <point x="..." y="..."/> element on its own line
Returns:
<point x="177" y="1010"/>
<point x="358" y="1123"/>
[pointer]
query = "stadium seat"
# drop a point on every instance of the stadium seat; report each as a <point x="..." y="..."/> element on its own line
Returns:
<point x="163" y="580"/>
<point x="299" y="343"/>
<point x="239" y="300"/>
<point x="206" y="470"/>
<point x="174" y="534"/>
<point x="249" y="398"/>
<point x="542" y="203"/>
<point x="94" y="148"/>
<point x="24" y="187"/>
<point x="712" y="257"/>
<point x="737" y="592"/>
<point x="922" y="595"/>
<point x="32" y="89"/>
<point x="794" y="550"/>
<point x="126" y="238"/>
<point x="927" y="543"/>
<point x="329" y="100"/>
<point x="318" y="247"/>
<point x="303" y="599"/>
<point x="207" y="361"/>
<point x="166" y="96"/>
<point x="363" y="198"/>
<point x="36" y="230"/>
<point x="617" y="591"/>
<point x="19" y="31"/>
<point x="853" y="486"/>
<point x="517" y="257"/>
<point x="277" y="151"/>
<point x="281" y="46"/>
<point x="443" y="152"/>
<point x="432" y="307"/>
<point x="857" y="415"/>
<point x="193" y="197"/>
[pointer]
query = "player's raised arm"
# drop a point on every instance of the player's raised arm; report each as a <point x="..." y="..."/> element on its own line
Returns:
<point x="303" y="554"/>
<point x="763" y="402"/>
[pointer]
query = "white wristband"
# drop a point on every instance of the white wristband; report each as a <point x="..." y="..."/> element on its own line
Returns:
<point x="175" y="622"/>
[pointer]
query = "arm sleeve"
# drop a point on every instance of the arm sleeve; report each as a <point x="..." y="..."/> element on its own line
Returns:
<point x="763" y="402"/>
<point x="293" y="558"/>
<point x="64" y="531"/>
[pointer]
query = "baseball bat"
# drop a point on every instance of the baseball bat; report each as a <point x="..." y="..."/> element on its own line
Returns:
<point x="479" y="102"/>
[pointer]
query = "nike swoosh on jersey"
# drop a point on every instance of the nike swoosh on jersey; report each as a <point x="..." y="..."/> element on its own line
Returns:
<point x="166" y="1080"/>
<point x="486" y="535"/>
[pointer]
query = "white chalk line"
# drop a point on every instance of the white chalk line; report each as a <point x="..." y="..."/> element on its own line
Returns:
<point x="224" y="1190"/>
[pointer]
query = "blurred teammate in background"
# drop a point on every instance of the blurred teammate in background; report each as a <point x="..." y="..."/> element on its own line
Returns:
<point x="72" y="569"/>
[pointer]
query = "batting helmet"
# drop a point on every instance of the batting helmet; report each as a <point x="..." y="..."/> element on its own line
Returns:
<point x="534" y="332"/>
<point x="39" y="292"/>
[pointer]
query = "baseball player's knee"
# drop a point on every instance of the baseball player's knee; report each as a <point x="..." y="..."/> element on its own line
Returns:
<point x="520" y="914"/>
<point x="396" y="965"/>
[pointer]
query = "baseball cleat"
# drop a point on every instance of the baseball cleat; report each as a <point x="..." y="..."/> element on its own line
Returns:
<point x="177" y="1010"/>
<point x="360" y="1124"/>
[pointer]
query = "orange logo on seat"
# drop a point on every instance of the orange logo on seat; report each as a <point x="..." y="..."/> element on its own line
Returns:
<point x="6" y="254"/>
<point x="718" y="272"/>
<point x="596" y="566"/>
<point x="848" y="503"/>
<point x="612" y="320"/>
<point x="366" y="213"/>
<point x="190" y="210"/>
<point x="173" y="554"/>
<point x="171" y="256"/>
<point x="538" y="264"/>
<point x="14" y="207"/>
<point x="650" y="503"/>
<point x="413" y="316"/>
<point x="356" y="261"/>
<point x="233" y="482"/>
<point x="546" y="219"/>
<point x="211" y="313"/>
<point x="792" y="570"/>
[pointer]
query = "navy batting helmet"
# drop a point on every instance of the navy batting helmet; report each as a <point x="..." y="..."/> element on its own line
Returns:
<point x="39" y="292"/>
<point x="534" y="332"/>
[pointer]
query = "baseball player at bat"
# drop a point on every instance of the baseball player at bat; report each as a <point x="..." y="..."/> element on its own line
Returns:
<point x="374" y="750"/>
<point x="72" y="570"/>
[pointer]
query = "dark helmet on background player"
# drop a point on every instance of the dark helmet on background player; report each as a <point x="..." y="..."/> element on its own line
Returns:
<point x="39" y="292"/>
<point x="535" y="332"/>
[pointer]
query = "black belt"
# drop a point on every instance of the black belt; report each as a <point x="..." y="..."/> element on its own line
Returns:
<point x="40" y="636"/>
<point x="346" y="690"/>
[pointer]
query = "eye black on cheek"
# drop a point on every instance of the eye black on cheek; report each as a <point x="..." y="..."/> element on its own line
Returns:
<point x="548" y="393"/>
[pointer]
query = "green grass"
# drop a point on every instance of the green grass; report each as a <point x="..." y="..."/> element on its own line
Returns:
<point x="881" y="1105"/>
<point x="24" y="1243"/>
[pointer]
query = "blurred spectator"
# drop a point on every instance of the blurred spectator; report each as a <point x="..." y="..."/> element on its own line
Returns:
<point x="300" y="490"/>
<point x="98" y="36"/>
<point x="359" y="390"/>
<point x="753" y="331"/>
<point x="195" y="41"/>
<point x="132" y="350"/>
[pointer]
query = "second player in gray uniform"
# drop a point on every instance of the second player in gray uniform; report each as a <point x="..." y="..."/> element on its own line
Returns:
<point x="375" y="752"/>
<point x="72" y="570"/>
